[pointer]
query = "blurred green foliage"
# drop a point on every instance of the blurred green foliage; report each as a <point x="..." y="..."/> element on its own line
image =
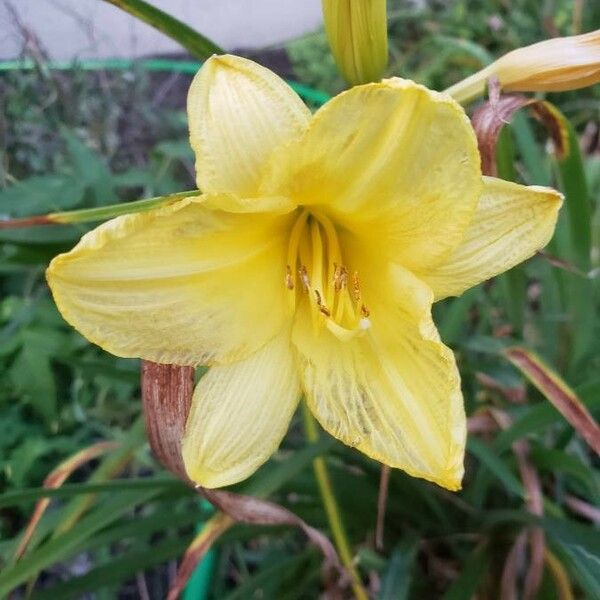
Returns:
<point x="83" y="140"/>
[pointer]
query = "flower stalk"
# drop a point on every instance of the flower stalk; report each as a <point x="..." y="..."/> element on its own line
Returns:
<point x="331" y="507"/>
<point x="101" y="213"/>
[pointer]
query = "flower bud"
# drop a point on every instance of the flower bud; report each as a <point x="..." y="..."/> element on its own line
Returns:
<point x="357" y="34"/>
<point x="554" y="65"/>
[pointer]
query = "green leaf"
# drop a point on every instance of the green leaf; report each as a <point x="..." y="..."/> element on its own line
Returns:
<point x="33" y="379"/>
<point x="533" y="157"/>
<point x="464" y="588"/>
<point x="577" y="202"/>
<point x="455" y="315"/>
<point x="191" y="40"/>
<point x="396" y="579"/>
<point x="90" y="169"/>
<point x="492" y="461"/>
<point x="537" y="418"/>
<point x="70" y="490"/>
<point x="579" y="547"/>
<point x="67" y="544"/>
<point x="268" y="581"/>
<point x="271" y="477"/>
<point x="117" y="570"/>
<point x="176" y="149"/>
<point x="40" y="194"/>
<point x="558" y="461"/>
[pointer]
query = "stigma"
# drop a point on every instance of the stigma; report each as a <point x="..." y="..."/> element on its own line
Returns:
<point x="316" y="275"/>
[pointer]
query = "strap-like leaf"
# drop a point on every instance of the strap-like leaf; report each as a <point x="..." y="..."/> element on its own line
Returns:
<point x="197" y="44"/>
<point x="558" y="392"/>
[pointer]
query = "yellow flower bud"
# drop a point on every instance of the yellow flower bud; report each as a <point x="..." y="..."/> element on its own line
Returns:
<point x="554" y="65"/>
<point x="357" y="34"/>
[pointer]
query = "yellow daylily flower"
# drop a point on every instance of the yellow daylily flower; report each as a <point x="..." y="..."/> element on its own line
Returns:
<point x="555" y="65"/>
<point x="309" y="265"/>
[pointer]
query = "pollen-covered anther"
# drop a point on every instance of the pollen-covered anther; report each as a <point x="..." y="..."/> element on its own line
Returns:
<point x="320" y="304"/>
<point x="340" y="277"/>
<point x="303" y="273"/>
<point x="289" y="278"/>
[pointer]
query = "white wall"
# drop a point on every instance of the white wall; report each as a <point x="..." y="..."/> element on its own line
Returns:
<point x="92" y="28"/>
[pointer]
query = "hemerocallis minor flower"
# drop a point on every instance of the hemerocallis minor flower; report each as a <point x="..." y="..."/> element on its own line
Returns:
<point x="309" y="266"/>
<point x="555" y="65"/>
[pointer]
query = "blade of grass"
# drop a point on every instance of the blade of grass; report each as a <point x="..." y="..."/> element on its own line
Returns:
<point x="54" y="480"/>
<point x="577" y="202"/>
<point x="77" y="489"/>
<point x="115" y="571"/>
<point x="65" y="545"/>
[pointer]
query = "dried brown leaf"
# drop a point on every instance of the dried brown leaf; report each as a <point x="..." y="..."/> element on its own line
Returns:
<point x="54" y="480"/>
<point x="166" y="393"/>
<point x="247" y="509"/>
<point x="196" y="551"/>
<point x="557" y="392"/>
<point x="491" y="116"/>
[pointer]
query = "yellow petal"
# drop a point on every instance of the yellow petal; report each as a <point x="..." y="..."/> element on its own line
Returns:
<point x="393" y="393"/>
<point x="392" y="162"/>
<point x="178" y="284"/>
<point x="239" y="113"/>
<point x="239" y="415"/>
<point x="357" y="34"/>
<point x="555" y="65"/>
<point x="512" y="222"/>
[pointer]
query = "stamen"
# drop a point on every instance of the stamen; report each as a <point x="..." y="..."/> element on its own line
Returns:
<point x="320" y="304"/>
<point x="356" y="286"/>
<point x="295" y="236"/>
<point x="315" y="258"/>
<point x="340" y="278"/>
<point x="304" y="278"/>
<point x="289" y="280"/>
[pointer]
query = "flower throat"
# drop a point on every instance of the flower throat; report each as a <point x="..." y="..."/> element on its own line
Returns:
<point x="315" y="270"/>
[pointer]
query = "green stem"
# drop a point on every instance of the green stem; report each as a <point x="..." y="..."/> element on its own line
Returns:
<point x="197" y="44"/>
<point x="101" y="213"/>
<point x="331" y="507"/>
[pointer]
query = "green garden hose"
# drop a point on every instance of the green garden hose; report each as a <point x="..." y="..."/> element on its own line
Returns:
<point x="188" y="67"/>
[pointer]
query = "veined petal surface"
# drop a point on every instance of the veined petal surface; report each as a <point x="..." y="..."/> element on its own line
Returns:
<point x="239" y="113"/>
<point x="239" y="415"/>
<point x="185" y="284"/>
<point x="393" y="162"/>
<point x="511" y="223"/>
<point x="393" y="393"/>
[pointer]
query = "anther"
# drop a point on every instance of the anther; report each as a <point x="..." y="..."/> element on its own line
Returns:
<point x="304" y="278"/>
<point x="320" y="304"/>
<point x="289" y="280"/>
<point x="340" y="277"/>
